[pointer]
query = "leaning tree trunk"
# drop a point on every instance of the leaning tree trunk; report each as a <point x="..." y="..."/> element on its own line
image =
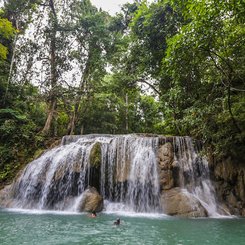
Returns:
<point x="53" y="75"/>
<point x="82" y="88"/>
<point x="71" y="126"/>
<point x="50" y="117"/>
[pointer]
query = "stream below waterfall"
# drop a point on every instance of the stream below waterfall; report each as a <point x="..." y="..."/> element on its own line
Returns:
<point x="33" y="227"/>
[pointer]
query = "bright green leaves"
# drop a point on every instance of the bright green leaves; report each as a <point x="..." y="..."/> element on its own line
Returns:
<point x="6" y="29"/>
<point x="6" y="32"/>
<point x="3" y="52"/>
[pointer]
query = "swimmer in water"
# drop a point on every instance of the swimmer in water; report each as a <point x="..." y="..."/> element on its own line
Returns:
<point x="117" y="222"/>
<point x="93" y="214"/>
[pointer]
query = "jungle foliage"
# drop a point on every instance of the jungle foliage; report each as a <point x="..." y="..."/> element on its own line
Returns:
<point x="169" y="67"/>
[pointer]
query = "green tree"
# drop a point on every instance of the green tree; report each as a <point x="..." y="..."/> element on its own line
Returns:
<point x="6" y="33"/>
<point x="205" y="59"/>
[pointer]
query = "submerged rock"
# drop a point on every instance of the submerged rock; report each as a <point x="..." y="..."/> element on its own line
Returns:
<point x="179" y="203"/>
<point x="91" y="201"/>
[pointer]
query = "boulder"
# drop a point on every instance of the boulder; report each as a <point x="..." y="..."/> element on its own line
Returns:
<point x="91" y="201"/>
<point x="181" y="203"/>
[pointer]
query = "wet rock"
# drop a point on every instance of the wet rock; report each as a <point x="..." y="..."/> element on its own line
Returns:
<point x="178" y="203"/>
<point x="166" y="155"/>
<point x="229" y="178"/>
<point x="6" y="196"/>
<point x="223" y="209"/>
<point x="95" y="155"/>
<point x="122" y="172"/>
<point x="166" y="179"/>
<point x="60" y="172"/>
<point x="166" y="160"/>
<point x="91" y="201"/>
<point x="93" y="172"/>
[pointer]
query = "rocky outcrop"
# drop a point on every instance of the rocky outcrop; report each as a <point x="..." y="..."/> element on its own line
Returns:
<point x="179" y="169"/>
<point x="6" y="195"/>
<point x="166" y="158"/>
<point x="122" y="172"/>
<point x="175" y="201"/>
<point x="91" y="201"/>
<point x="180" y="203"/>
<point x="229" y="179"/>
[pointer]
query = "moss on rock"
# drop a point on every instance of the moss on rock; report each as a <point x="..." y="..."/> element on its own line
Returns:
<point x="95" y="156"/>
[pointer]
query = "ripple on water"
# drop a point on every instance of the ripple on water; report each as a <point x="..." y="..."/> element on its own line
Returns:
<point x="51" y="229"/>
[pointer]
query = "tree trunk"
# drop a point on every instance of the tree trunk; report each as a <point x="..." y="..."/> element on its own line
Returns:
<point x="73" y="120"/>
<point x="50" y="117"/>
<point x="71" y="126"/>
<point x="53" y="73"/>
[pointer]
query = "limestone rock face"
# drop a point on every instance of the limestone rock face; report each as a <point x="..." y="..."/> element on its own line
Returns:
<point x="91" y="201"/>
<point x="230" y="185"/>
<point x="166" y="160"/>
<point x="166" y="155"/>
<point x="178" y="203"/>
<point x="122" y="172"/>
<point x="166" y="179"/>
<point x="6" y="195"/>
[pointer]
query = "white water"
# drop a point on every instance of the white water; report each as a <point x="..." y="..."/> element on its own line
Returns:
<point x="132" y="159"/>
<point x="121" y="209"/>
<point x="194" y="174"/>
<point x="57" y="175"/>
<point x="128" y="175"/>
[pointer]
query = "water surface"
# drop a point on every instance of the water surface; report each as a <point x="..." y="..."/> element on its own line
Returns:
<point x="47" y="228"/>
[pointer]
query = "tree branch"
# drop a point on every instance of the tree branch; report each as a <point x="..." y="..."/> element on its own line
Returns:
<point x="150" y="85"/>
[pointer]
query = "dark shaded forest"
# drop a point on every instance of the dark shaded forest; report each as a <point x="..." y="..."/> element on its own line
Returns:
<point x="170" y="67"/>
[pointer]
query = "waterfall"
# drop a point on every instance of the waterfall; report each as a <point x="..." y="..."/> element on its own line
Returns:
<point x="50" y="180"/>
<point x="194" y="174"/>
<point x="128" y="174"/>
<point x="130" y="167"/>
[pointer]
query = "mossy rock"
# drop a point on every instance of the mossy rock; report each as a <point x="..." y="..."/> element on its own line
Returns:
<point x="91" y="201"/>
<point x="95" y="156"/>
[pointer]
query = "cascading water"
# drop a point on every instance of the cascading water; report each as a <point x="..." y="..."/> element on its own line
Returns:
<point x="194" y="174"/>
<point x="49" y="181"/>
<point x="130" y="175"/>
<point x="127" y="176"/>
<point x="58" y="178"/>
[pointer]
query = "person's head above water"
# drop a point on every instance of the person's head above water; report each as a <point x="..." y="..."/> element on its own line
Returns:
<point x="93" y="214"/>
<point x="117" y="222"/>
